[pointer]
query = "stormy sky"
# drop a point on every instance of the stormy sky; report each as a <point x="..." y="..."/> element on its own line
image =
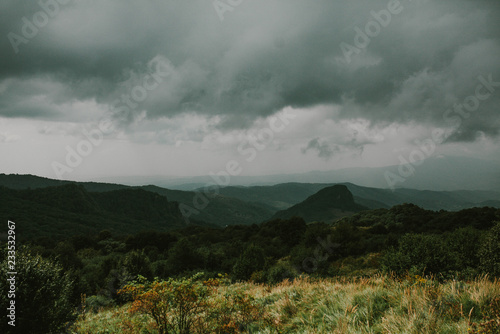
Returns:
<point x="97" y="88"/>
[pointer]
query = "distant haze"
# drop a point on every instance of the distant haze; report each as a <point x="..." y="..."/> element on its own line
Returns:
<point x="439" y="174"/>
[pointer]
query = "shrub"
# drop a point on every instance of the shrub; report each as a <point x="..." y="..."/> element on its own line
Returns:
<point x="279" y="272"/>
<point x="417" y="253"/>
<point x="175" y="305"/>
<point x="42" y="296"/>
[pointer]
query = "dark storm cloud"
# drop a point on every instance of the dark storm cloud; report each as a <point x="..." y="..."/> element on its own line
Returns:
<point x="263" y="56"/>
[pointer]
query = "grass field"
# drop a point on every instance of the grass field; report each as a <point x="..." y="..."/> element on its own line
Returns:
<point x="379" y="304"/>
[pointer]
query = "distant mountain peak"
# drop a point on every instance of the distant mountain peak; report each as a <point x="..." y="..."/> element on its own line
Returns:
<point x="328" y="204"/>
<point x="340" y="195"/>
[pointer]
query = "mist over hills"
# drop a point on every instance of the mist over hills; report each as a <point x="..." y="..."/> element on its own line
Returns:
<point x="437" y="173"/>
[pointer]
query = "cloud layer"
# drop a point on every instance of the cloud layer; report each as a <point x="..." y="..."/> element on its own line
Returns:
<point x="78" y="60"/>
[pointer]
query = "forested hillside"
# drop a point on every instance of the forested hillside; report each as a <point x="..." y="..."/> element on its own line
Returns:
<point x="72" y="210"/>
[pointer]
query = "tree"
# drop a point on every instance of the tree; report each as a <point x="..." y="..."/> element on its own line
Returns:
<point x="183" y="257"/>
<point x="489" y="253"/>
<point x="250" y="261"/>
<point x="137" y="263"/>
<point x="42" y="294"/>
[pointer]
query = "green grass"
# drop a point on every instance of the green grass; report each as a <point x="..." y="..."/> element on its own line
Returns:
<point x="345" y="305"/>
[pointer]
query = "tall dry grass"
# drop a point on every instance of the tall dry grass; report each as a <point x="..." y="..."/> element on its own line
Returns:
<point x="379" y="304"/>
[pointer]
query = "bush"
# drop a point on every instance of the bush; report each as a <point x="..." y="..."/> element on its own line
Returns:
<point x="43" y="292"/>
<point x="417" y="253"/>
<point x="175" y="305"/>
<point x="279" y="272"/>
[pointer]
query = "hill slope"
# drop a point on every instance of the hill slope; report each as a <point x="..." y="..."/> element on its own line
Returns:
<point x="70" y="209"/>
<point x="221" y="210"/>
<point x="328" y="204"/>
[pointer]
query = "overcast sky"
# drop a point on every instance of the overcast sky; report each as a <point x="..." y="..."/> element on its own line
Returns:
<point x="279" y="86"/>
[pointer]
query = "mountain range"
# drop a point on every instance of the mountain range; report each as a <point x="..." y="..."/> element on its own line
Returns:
<point x="91" y="205"/>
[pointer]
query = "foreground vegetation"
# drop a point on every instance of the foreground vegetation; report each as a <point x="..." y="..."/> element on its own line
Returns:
<point x="367" y="305"/>
<point x="368" y="273"/>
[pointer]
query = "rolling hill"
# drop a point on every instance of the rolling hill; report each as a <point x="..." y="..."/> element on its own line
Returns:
<point x="221" y="210"/>
<point x="238" y="205"/>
